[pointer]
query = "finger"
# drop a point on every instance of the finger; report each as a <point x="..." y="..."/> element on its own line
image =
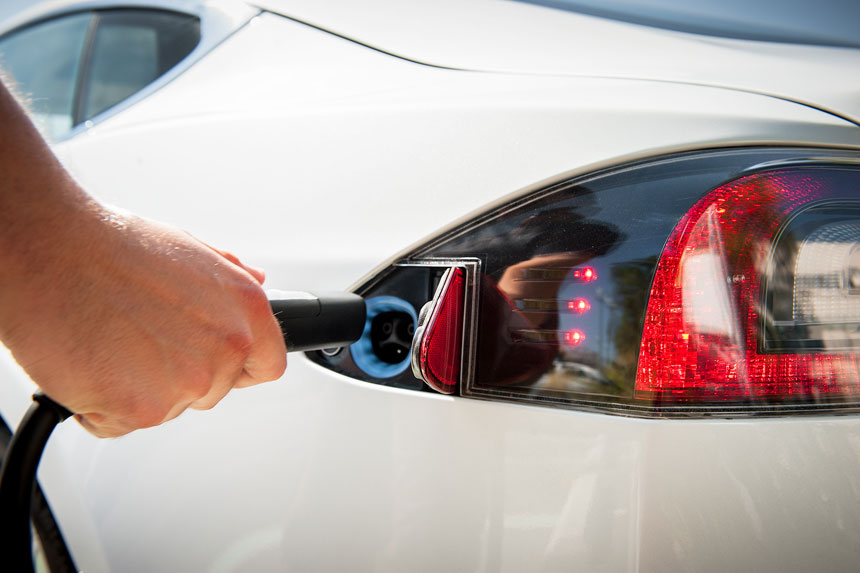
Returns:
<point x="232" y="359"/>
<point x="267" y="359"/>
<point x="88" y="426"/>
<point x="258" y="274"/>
<point x="176" y="410"/>
<point x="246" y="380"/>
<point x="102" y="427"/>
<point x="208" y="401"/>
<point x="221" y="386"/>
<point x="262" y="359"/>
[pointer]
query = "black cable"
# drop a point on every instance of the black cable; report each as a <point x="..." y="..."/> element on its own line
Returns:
<point x="18" y="479"/>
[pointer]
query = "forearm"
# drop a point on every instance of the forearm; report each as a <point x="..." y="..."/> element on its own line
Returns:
<point x="39" y="204"/>
<point x="31" y="173"/>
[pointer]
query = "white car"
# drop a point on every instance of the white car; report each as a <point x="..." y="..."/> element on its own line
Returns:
<point x="641" y="351"/>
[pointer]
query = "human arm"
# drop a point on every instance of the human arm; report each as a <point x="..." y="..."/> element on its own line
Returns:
<point x="124" y="321"/>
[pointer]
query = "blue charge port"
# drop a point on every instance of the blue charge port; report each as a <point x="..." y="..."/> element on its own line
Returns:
<point x="385" y="347"/>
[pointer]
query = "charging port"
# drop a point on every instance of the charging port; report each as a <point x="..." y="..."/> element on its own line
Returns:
<point x="391" y="335"/>
<point x="384" y="349"/>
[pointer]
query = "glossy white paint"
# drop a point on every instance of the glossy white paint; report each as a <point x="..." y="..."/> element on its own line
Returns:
<point x="321" y="138"/>
<point x="520" y="38"/>
<point x="317" y="158"/>
<point x="323" y="473"/>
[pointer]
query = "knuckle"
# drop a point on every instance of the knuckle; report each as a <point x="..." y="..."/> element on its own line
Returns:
<point x="239" y="343"/>
<point x="203" y="405"/>
<point x="144" y="412"/>
<point x="248" y="291"/>
<point x="97" y="425"/>
<point x="147" y="416"/>
<point x="196" y="383"/>
<point x="278" y="366"/>
<point x="255" y="299"/>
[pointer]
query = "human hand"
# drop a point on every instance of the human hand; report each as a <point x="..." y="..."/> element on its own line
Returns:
<point x="127" y="322"/>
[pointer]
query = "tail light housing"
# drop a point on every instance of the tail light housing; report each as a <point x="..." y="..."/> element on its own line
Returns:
<point x="753" y="298"/>
<point x="719" y="282"/>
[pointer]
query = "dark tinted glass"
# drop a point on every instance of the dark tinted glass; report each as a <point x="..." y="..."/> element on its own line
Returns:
<point x="43" y="61"/>
<point x="565" y="279"/>
<point x="813" y="289"/>
<point x="129" y="50"/>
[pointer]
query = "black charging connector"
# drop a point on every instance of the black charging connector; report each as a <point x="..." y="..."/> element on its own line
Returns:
<point x="316" y="322"/>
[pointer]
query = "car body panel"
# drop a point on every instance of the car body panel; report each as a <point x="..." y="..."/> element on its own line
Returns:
<point x="317" y="158"/>
<point x="427" y="146"/>
<point x="317" y="472"/>
<point x="522" y="38"/>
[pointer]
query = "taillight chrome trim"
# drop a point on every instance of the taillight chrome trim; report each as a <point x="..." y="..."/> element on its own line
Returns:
<point x="471" y="268"/>
<point x="835" y="160"/>
<point x="426" y="321"/>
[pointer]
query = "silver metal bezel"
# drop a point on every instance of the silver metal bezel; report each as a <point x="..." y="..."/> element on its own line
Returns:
<point x="471" y="267"/>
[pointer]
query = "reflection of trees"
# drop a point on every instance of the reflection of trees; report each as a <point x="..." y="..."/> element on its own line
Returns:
<point x="632" y="282"/>
<point x="555" y="225"/>
<point x="503" y="360"/>
<point x="552" y="236"/>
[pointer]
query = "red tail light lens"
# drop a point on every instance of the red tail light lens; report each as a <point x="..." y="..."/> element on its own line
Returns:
<point x="439" y="338"/>
<point x="709" y="315"/>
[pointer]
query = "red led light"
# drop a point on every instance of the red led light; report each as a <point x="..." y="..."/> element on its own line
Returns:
<point x="574" y="337"/>
<point x="586" y="274"/>
<point x="703" y="322"/>
<point x="579" y="305"/>
<point x="441" y="345"/>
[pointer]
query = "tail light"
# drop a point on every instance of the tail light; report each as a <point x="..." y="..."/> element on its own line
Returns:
<point x="725" y="281"/>
<point x="753" y="299"/>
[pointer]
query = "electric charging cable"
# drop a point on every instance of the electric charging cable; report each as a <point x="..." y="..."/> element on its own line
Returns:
<point x="18" y="479"/>
<point x="308" y="322"/>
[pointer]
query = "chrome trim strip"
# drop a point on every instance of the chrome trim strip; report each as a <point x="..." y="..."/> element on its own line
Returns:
<point x="468" y="353"/>
<point x="823" y="160"/>
<point x="429" y="314"/>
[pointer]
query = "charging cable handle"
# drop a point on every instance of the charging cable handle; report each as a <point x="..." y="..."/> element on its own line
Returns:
<point x="318" y="321"/>
<point x="18" y="479"/>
